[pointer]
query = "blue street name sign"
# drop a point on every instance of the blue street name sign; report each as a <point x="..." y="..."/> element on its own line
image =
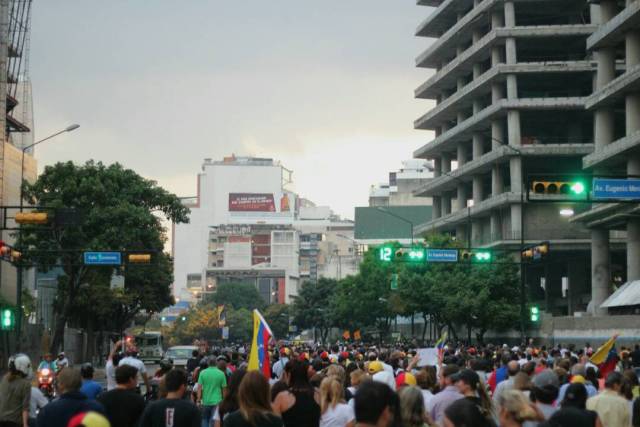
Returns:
<point x="442" y="255"/>
<point x="606" y="188"/>
<point x="102" y="258"/>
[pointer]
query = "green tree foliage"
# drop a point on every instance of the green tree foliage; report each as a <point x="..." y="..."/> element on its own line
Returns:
<point x="311" y="308"/>
<point x="239" y="295"/>
<point x="277" y="316"/>
<point x="117" y="210"/>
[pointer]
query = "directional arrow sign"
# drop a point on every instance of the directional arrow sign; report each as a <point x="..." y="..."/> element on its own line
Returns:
<point x="442" y="255"/>
<point x="102" y="258"/>
<point x="616" y="189"/>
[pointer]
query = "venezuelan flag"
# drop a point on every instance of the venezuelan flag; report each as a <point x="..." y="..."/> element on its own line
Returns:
<point x="259" y="355"/>
<point x="606" y="357"/>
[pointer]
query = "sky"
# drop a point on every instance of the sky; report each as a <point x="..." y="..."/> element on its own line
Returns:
<point x="326" y="87"/>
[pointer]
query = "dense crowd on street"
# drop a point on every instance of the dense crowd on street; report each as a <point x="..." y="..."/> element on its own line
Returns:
<point x="335" y="386"/>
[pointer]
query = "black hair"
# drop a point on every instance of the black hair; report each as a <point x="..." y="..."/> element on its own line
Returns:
<point x="547" y="394"/>
<point x="612" y="379"/>
<point x="195" y="353"/>
<point x="371" y="400"/>
<point x="230" y="402"/>
<point x="124" y="373"/>
<point x="575" y="396"/>
<point x="464" y="412"/>
<point x="174" y="379"/>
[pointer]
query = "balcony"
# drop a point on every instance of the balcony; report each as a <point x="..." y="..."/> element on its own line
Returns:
<point x="463" y="98"/>
<point x="613" y="32"/>
<point x="613" y="154"/>
<point x="482" y="121"/>
<point x="444" y="17"/>
<point x="482" y="209"/>
<point x="502" y="154"/>
<point x="616" y="90"/>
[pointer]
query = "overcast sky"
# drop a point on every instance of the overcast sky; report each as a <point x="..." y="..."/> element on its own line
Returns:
<point x="158" y="85"/>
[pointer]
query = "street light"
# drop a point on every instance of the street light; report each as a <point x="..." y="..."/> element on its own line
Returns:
<point x="69" y="128"/>
<point x="381" y="209"/>
<point x="566" y="212"/>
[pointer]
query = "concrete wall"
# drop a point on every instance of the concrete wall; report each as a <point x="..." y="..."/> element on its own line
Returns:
<point x="593" y="329"/>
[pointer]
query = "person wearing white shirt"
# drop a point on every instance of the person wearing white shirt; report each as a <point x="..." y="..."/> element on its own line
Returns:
<point x="335" y="413"/>
<point x="38" y="401"/>
<point x="132" y="360"/>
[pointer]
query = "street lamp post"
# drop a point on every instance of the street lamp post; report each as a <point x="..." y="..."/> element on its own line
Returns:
<point x="381" y="209"/>
<point x="70" y="128"/>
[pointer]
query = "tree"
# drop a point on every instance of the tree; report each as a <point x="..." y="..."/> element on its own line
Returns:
<point x="277" y="317"/>
<point x="239" y="295"/>
<point x="117" y="210"/>
<point x="311" y="308"/>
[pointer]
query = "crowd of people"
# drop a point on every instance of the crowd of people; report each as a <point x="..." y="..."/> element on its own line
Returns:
<point x="338" y="386"/>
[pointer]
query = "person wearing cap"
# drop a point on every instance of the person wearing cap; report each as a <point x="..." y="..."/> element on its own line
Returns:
<point x="405" y="379"/>
<point x="378" y="373"/>
<point x="449" y="393"/>
<point x="278" y="367"/>
<point x="580" y="372"/>
<point x="612" y="408"/>
<point x="472" y="388"/>
<point x="544" y="392"/>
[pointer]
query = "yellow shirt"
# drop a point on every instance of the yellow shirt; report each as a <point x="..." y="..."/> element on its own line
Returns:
<point x="612" y="409"/>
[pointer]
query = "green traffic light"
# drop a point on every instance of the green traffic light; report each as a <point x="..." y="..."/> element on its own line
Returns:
<point x="7" y="320"/>
<point x="483" y="256"/>
<point x="416" y="254"/>
<point x="577" y="188"/>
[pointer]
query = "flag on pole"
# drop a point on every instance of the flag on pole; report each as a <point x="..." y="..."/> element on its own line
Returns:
<point x="346" y="335"/>
<point x="356" y="335"/>
<point x="606" y="357"/>
<point x="222" y="316"/>
<point x="259" y="355"/>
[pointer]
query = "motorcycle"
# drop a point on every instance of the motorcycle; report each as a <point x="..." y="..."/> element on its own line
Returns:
<point x="45" y="382"/>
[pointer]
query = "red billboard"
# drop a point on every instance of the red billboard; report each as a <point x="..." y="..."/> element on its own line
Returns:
<point x="251" y="202"/>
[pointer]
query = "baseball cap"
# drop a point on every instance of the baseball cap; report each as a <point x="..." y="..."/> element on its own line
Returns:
<point x="546" y="378"/>
<point x="375" y="367"/>
<point x="405" y="378"/>
<point x="578" y="379"/>
<point x="88" y="419"/>
<point x="468" y="376"/>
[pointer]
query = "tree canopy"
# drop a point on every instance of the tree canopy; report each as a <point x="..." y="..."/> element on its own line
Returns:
<point x="115" y="209"/>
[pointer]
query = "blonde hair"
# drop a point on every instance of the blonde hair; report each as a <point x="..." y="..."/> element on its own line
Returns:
<point x="337" y="372"/>
<point x="331" y="393"/>
<point x="357" y="377"/>
<point x="516" y="405"/>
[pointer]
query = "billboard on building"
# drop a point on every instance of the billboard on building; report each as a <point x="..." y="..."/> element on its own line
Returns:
<point x="262" y="205"/>
<point x="251" y="202"/>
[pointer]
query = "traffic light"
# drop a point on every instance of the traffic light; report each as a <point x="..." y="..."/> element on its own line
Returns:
<point x="575" y="188"/>
<point x="7" y="319"/>
<point x="32" y="217"/>
<point x="534" y="313"/>
<point x="385" y="253"/>
<point x="536" y="252"/>
<point x="139" y="258"/>
<point x="470" y="255"/>
<point x="415" y="254"/>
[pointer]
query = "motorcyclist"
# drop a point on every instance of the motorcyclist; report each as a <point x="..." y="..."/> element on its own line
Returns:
<point x="61" y="362"/>
<point x="48" y="363"/>
<point x="15" y="392"/>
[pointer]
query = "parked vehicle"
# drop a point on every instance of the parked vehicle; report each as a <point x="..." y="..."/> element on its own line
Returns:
<point x="180" y="354"/>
